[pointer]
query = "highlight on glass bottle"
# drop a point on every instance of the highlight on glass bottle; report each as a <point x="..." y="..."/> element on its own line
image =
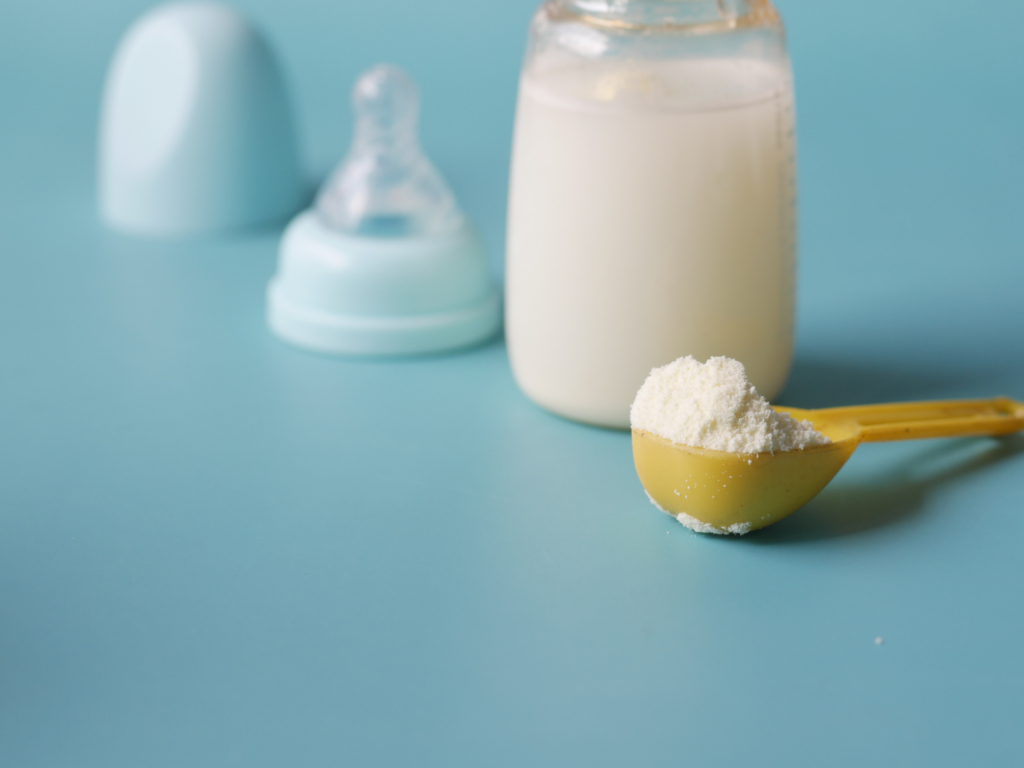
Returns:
<point x="652" y="199"/>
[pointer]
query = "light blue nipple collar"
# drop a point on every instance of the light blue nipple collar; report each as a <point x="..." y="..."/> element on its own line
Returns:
<point x="377" y="296"/>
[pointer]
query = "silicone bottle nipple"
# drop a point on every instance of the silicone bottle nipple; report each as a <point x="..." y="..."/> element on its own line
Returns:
<point x="384" y="263"/>
<point x="386" y="186"/>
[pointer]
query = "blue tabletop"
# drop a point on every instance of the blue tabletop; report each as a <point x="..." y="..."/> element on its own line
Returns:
<point x="217" y="550"/>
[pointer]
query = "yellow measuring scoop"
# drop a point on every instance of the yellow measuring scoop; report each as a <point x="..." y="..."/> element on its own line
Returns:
<point x="737" y="493"/>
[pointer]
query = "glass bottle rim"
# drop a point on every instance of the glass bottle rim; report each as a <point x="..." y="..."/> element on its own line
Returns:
<point x="610" y="16"/>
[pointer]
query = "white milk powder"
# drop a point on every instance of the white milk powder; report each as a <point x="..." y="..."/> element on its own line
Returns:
<point x="699" y="526"/>
<point x="651" y="215"/>
<point x="713" y="405"/>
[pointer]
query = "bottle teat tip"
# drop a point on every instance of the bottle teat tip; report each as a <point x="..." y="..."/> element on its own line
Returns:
<point x="386" y="95"/>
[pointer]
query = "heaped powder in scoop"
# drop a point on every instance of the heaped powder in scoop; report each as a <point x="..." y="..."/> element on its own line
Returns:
<point x="713" y="405"/>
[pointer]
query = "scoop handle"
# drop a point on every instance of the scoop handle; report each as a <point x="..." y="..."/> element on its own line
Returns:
<point x="941" y="418"/>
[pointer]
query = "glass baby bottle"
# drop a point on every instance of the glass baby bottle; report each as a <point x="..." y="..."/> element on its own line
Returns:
<point x="652" y="204"/>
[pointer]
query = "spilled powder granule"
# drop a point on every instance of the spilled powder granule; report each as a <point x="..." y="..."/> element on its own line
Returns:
<point x="738" y="529"/>
<point x="713" y="405"/>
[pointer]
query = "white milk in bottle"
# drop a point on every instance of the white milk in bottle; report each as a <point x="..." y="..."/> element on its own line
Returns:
<point x="651" y="216"/>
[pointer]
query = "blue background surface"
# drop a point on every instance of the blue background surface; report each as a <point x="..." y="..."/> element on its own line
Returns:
<point x="218" y="550"/>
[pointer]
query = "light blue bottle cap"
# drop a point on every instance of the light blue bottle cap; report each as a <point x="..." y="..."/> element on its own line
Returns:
<point x="385" y="263"/>
<point x="196" y="133"/>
